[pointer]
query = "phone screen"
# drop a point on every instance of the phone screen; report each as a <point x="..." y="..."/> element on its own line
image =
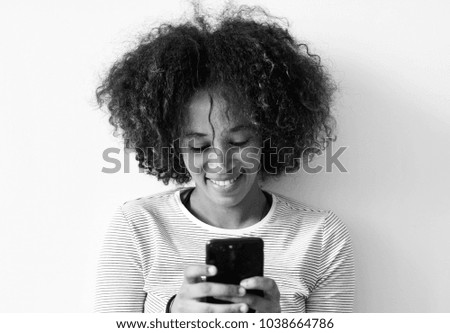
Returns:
<point x="236" y="259"/>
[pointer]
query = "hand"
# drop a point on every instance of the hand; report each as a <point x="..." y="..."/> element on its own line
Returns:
<point x="193" y="289"/>
<point x="270" y="303"/>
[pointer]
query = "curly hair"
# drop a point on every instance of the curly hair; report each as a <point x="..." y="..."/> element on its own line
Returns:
<point x="287" y="90"/>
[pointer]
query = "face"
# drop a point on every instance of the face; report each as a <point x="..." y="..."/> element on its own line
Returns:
<point x="222" y="154"/>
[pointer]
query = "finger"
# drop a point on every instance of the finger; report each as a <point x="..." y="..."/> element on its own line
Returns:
<point x="255" y="302"/>
<point x="215" y="289"/>
<point x="224" y="308"/>
<point x="193" y="274"/>
<point x="262" y="283"/>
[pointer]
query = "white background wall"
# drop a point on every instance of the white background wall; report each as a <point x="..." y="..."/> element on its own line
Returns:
<point x="391" y="60"/>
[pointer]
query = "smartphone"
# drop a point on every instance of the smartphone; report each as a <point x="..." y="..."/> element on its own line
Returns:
<point x="236" y="259"/>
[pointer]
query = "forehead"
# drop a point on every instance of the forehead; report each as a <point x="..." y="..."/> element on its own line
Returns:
<point x="206" y="110"/>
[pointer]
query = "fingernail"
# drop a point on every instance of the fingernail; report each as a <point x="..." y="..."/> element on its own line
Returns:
<point x="243" y="308"/>
<point x="241" y="291"/>
<point x="212" y="270"/>
<point x="244" y="283"/>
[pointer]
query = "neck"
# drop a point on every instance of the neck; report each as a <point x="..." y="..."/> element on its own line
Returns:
<point x="248" y="212"/>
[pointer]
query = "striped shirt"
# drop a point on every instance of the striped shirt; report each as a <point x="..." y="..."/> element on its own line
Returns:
<point x="150" y="240"/>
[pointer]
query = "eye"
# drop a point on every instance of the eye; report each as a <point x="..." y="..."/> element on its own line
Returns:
<point x="239" y="144"/>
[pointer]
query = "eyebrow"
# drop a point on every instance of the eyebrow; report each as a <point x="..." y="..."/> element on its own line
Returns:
<point x="232" y="130"/>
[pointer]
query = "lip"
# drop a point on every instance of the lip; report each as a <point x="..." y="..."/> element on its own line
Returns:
<point x="227" y="188"/>
<point x="223" y="179"/>
<point x="229" y="176"/>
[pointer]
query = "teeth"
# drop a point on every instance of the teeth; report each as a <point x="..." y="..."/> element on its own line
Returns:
<point x="224" y="183"/>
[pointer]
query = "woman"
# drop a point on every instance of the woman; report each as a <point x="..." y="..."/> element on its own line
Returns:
<point x="224" y="105"/>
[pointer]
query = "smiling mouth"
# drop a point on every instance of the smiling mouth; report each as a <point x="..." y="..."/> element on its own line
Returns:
<point x="224" y="183"/>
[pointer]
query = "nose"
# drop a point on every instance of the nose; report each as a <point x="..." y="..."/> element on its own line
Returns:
<point x="219" y="160"/>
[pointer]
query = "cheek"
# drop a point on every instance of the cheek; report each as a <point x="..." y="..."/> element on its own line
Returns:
<point x="193" y="163"/>
<point x="250" y="160"/>
<point x="197" y="161"/>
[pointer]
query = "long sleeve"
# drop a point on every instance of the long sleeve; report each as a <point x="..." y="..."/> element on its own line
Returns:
<point x="120" y="281"/>
<point x="335" y="287"/>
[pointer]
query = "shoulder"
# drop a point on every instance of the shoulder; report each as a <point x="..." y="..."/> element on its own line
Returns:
<point x="323" y="218"/>
<point x="151" y="205"/>
<point x="149" y="199"/>
<point x="292" y="206"/>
